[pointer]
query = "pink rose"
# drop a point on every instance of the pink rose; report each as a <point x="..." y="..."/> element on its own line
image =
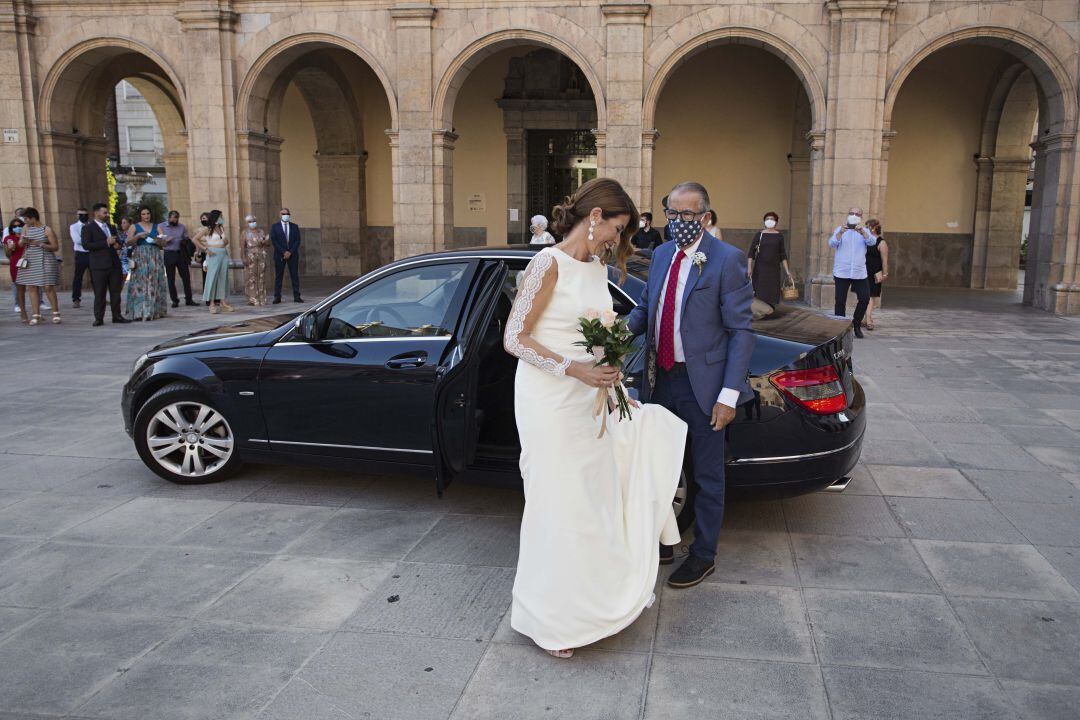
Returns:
<point x="592" y="314"/>
<point x="608" y="318"/>
<point x="597" y="352"/>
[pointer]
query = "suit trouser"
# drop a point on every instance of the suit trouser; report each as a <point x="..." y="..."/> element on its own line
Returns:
<point x="110" y="281"/>
<point x="674" y="392"/>
<point x="82" y="266"/>
<point x="294" y="274"/>
<point x="862" y="291"/>
<point x="175" y="264"/>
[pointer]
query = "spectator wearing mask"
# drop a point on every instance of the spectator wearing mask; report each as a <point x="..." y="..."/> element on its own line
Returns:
<point x="178" y="252"/>
<point x="215" y="245"/>
<point x="647" y="237"/>
<point x="14" y="289"/>
<point x="850" y="241"/>
<point x="877" y="269"/>
<point x="285" y="237"/>
<point x="13" y="249"/>
<point x="254" y="242"/>
<point x="82" y="257"/>
<point x="767" y="258"/>
<point x="540" y="235"/>
<point x="709" y="222"/>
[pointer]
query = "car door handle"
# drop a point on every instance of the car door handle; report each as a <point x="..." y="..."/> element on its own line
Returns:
<point x="407" y="360"/>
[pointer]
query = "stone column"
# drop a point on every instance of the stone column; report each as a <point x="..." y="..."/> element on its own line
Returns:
<point x="624" y="25"/>
<point x="342" y="233"/>
<point x="648" y="150"/>
<point x="411" y="144"/>
<point x="442" y="168"/>
<point x="1005" y="224"/>
<point x="798" y="216"/>
<point x="858" y="52"/>
<point x="1051" y="280"/>
<point x="516" y="180"/>
<point x="178" y="183"/>
<point x="20" y="154"/>
<point x="817" y="269"/>
<point x="984" y="190"/>
<point x="207" y="27"/>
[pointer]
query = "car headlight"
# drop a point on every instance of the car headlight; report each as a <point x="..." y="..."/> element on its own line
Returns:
<point x="139" y="364"/>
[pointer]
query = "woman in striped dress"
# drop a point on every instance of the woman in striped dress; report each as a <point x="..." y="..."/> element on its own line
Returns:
<point x="41" y="271"/>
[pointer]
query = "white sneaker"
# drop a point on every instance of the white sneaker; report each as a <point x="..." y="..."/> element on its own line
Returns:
<point x="16" y="309"/>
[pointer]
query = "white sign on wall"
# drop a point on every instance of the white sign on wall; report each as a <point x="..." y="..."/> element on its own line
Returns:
<point x="477" y="202"/>
<point x="513" y="214"/>
<point x="11" y="135"/>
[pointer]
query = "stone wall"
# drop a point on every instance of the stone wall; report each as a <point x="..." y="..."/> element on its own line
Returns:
<point x="930" y="259"/>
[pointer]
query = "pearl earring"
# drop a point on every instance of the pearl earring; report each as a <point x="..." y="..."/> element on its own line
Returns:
<point x="592" y="224"/>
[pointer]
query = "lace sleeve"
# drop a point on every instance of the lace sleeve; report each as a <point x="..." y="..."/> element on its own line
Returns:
<point x="533" y="293"/>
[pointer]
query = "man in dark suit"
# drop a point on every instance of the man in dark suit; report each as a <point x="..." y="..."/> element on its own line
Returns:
<point x="99" y="238"/>
<point x="695" y="312"/>
<point x="285" y="237"/>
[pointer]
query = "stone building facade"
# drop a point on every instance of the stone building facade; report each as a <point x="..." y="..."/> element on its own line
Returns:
<point x="932" y="114"/>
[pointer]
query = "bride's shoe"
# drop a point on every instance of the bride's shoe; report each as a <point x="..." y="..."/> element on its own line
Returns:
<point x="561" y="654"/>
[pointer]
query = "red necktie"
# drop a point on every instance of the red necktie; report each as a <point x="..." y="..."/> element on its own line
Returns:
<point x="665" y="351"/>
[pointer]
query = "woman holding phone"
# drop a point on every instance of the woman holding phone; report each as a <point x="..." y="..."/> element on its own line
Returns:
<point x="146" y="294"/>
<point x="14" y="252"/>
<point x="40" y="271"/>
<point x="877" y="269"/>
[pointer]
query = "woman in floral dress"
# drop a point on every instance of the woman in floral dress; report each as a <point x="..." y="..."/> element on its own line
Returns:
<point x="254" y="242"/>
<point x="146" y="294"/>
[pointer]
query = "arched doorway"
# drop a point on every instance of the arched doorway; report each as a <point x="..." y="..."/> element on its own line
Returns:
<point x="523" y="130"/>
<point x="313" y="117"/>
<point x="973" y="191"/>
<point x="82" y="136"/>
<point x="738" y="118"/>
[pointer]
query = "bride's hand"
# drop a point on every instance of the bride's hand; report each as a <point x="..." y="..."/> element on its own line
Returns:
<point x="593" y="375"/>
<point x="633" y="403"/>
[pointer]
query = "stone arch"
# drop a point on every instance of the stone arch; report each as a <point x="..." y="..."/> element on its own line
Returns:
<point x="466" y="60"/>
<point x="329" y="73"/>
<point x="281" y="53"/>
<point x="785" y="39"/>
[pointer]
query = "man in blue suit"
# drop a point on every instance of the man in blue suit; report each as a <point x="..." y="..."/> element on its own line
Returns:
<point x="695" y="311"/>
<point x="285" y="237"/>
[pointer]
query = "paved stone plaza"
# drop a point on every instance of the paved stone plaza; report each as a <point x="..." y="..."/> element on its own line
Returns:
<point x="945" y="582"/>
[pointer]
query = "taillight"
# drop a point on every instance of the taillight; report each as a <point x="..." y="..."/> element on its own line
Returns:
<point x="819" y="390"/>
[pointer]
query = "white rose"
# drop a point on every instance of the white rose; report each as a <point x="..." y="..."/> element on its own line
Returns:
<point x="608" y="318"/>
<point x="591" y="314"/>
<point x="597" y="352"/>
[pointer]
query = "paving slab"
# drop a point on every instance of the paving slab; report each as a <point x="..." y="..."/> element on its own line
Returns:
<point x="755" y="558"/>
<point x="352" y="534"/>
<point x="33" y="473"/>
<point x="45" y="514"/>
<point x="297" y="487"/>
<point x="53" y="574"/>
<point x="969" y="520"/>
<point x="470" y="540"/>
<point x="172" y="582"/>
<point x="255" y="527"/>
<point x="830" y="514"/>
<point x="1028" y="435"/>
<point x="991" y="457"/>
<point x="144" y="521"/>
<point x="520" y="682"/>
<point x="940" y="433"/>
<point x="890" y="630"/>
<point x="448" y="601"/>
<point x="1060" y="458"/>
<point x="380" y="676"/>
<point x="734" y="621"/>
<point x="54" y="664"/>
<point x="684" y="687"/>
<point x="855" y="563"/>
<point x="1045" y="523"/>
<point x="1044" y="702"/>
<point x="994" y="571"/>
<point x="418" y="494"/>
<point x="1069" y="418"/>
<point x="1045" y="486"/>
<point x="904" y="452"/>
<point x="765" y="516"/>
<point x="1025" y="639"/>
<point x="1066" y="561"/>
<point x="898" y="480"/>
<point x="864" y="693"/>
<point x="316" y="593"/>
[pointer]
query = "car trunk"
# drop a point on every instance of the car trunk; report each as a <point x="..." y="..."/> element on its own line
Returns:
<point x="807" y="339"/>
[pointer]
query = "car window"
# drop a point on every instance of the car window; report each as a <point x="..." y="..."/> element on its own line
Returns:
<point x="409" y="303"/>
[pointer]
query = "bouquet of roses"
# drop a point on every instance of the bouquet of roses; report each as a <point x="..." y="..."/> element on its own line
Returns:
<point x="608" y="339"/>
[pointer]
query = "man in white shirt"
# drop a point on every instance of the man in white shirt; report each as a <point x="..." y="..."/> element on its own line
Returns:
<point x="82" y="257"/>
<point x="695" y="311"/>
<point x="849" y="266"/>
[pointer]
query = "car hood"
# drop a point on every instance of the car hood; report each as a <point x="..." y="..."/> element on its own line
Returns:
<point x="240" y="334"/>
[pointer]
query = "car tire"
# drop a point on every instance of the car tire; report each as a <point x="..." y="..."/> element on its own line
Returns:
<point x="685" y="493"/>
<point x="184" y="438"/>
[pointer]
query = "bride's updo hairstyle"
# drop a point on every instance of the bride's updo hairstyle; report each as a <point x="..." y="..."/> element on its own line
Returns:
<point x="609" y="196"/>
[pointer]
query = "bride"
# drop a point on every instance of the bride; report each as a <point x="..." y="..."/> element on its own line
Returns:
<point x="596" y="509"/>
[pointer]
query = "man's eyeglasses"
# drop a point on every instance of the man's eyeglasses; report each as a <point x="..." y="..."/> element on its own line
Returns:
<point x="685" y="215"/>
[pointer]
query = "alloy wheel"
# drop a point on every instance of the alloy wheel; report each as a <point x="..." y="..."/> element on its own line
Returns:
<point x="190" y="438"/>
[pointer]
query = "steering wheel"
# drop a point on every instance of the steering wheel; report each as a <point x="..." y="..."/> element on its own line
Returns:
<point x="395" y="317"/>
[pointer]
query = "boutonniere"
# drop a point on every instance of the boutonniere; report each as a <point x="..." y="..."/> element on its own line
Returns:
<point x="699" y="259"/>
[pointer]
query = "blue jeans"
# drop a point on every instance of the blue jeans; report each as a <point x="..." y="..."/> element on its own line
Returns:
<point x="674" y="392"/>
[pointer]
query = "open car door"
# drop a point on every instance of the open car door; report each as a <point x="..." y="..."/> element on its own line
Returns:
<point x="455" y="424"/>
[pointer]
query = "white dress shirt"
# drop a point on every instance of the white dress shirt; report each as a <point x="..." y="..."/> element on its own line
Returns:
<point x="728" y="396"/>
<point x="76" y="235"/>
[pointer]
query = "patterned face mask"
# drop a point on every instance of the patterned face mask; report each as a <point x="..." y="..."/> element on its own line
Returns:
<point x="684" y="232"/>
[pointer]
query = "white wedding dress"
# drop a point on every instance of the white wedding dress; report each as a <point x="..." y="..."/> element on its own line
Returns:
<point x="595" y="509"/>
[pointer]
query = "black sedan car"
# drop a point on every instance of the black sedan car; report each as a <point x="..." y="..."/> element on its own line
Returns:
<point x="403" y="371"/>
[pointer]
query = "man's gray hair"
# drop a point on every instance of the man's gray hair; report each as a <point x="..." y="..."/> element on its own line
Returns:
<point x="694" y="187"/>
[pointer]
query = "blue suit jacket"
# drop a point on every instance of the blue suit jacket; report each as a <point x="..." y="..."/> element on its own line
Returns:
<point x="716" y="331"/>
<point x="277" y="239"/>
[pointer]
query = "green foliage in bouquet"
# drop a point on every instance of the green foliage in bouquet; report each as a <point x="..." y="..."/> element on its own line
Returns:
<point x="609" y="341"/>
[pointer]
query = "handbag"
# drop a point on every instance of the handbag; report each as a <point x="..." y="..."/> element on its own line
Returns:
<point x="22" y="264"/>
<point x="790" y="292"/>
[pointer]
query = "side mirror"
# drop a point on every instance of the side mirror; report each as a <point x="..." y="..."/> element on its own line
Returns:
<point x="309" y="327"/>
